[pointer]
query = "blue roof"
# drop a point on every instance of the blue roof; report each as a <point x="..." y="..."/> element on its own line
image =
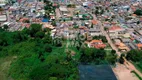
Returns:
<point x="45" y="20"/>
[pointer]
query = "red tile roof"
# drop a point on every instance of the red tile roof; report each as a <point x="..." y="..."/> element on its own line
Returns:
<point x="97" y="44"/>
<point x="94" y="22"/>
<point x="96" y="41"/>
<point x="139" y="46"/>
<point x="113" y="28"/>
<point x="83" y="27"/>
<point x="23" y="19"/>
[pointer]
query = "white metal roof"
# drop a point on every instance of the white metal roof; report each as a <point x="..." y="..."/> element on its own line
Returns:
<point x="3" y="18"/>
<point x="63" y="9"/>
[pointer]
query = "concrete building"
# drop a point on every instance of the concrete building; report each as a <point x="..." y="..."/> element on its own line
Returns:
<point x="116" y="32"/>
<point x="3" y="18"/>
<point x="3" y="2"/>
<point x="64" y="10"/>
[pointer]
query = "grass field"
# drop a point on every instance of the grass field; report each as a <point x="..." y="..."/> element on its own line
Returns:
<point x="4" y="67"/>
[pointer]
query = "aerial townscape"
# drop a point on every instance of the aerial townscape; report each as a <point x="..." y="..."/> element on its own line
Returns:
<point x="70" y="39"/>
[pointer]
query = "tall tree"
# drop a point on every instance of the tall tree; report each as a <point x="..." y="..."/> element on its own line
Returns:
<point x="34" y="28"/>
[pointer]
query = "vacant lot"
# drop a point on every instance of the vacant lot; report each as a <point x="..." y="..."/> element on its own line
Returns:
<point x="123" y="73"/>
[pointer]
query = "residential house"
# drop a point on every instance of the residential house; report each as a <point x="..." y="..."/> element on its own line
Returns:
<point x="83" y="29"/>
<point x="96" y="44"/>
<point x="3" y="18"/>
<point x="46" y="25"/>
<point x="3" y="2"/>
<point x="132" y="46"/>
<point x="23" y="19"/>
<point x="139" y="45"/>
<point x="95" y="31"/>
<point x="64" y="10"/>
<point x="116" y="32"/>
<point x="122" y="47"/>
<point x="94" y="22"/>
<point x="126" y="40"/>
<point x="126" y="35"/>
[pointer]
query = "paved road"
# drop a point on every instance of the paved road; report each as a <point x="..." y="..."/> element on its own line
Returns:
<point x="107" y="37"/>
<point x="128" y="64"/>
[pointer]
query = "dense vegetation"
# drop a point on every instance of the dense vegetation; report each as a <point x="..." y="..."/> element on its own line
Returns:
<point x="103" y="38"/>
<point x="39" y="57"/>
<point x="138" y="12"/>
<point x="71" y="5"/>
<point x="136" y="57"/>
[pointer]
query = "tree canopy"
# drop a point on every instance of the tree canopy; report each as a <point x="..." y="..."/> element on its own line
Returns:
<point x="134" y="55"/>
<point x="138" y="12"/>
<point x="92" y="55"/>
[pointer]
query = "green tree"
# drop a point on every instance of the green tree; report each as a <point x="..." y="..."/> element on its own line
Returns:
<point x="19" y="37"/>
<point x="134" y="55"/>
<point x="47" y="39"/>
<point x="3" y="42"/>
<point x="1" y="30"/>
<point x="1" y="9"/>
<point x="57" y="42"/>
<point x="76" y="26"/>
<point x="53" y="23"/>
<point x="138" y="22"/>
<point x="5" y="27"/>
<point x="48" y="48"/>
<point x="121" y="59"/>
<point x="40" y="34"/>
<point x="55" y="68"/>
<point x="112" y="57"/>
<point x="26" y="31"/>
<point x="34" y="28"/>
<point x="92" y="26"/>
<point x="21" y="68"/>
<point x="113" y="51"/>
<point x="27" y="21"/>
<point x="90" y="55"/>
<point x="138" y="12"/>
<point x="106" y="29"/>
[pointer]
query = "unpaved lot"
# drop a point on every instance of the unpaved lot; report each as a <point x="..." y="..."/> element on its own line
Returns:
<point x="122" y="73"/>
